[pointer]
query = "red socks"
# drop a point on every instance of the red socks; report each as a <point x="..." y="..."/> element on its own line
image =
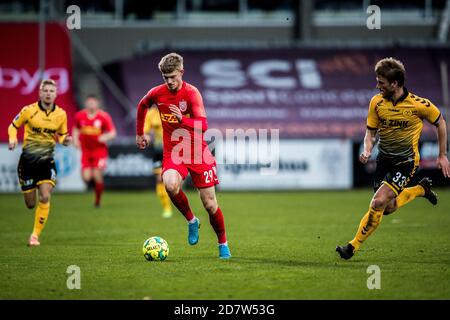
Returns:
<point x="181" y="202"/>
<point x="99" y="187"/>
<point x="217" y="222"/>
<point x="218" y="225"/>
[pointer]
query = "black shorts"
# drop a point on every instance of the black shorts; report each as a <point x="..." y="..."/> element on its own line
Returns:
<point x="33" y="173"/>
<point x="395" y="173"/>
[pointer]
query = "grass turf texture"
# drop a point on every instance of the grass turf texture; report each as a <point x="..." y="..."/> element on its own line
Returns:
<point x="282" y="245"/>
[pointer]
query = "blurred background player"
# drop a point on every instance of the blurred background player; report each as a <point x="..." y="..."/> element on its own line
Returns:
<point x="397" y="115"/>
<point x="153" y="128"/>
<point x="44" y="122"/>
<point x="183" y="113"/>
<point x="92" y="130"/>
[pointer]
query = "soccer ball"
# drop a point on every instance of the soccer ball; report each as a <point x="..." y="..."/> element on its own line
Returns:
<point x="155" y="249"/>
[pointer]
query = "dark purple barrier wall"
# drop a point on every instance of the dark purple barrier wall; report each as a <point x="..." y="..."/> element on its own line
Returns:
<point x="303" y="92"/>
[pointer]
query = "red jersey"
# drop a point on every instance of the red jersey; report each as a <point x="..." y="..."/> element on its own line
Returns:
<point x="92" y="128"/>
<point x="189" y="100"/>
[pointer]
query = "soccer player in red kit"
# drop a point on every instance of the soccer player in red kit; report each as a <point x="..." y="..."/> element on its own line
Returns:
<point x="185" y="151"/>
<point x="93" y="129"/>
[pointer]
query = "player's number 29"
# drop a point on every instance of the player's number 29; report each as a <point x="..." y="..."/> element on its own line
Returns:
<point x="208" y="176"/>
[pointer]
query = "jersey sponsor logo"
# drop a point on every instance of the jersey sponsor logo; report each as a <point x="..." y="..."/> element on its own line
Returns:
<point x="183" y="105"/>
<point x="89" y="130"/>
<point x="43" y="130"/>
<point x="398" y="123"/>
<point x="168" y="117"/>
<point x="394" y="123"/>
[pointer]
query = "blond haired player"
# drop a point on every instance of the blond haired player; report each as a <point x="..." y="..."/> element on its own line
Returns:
<point x="183" y="114"/>
<point x="397" y="115"/>
<point x="45" y="123"/>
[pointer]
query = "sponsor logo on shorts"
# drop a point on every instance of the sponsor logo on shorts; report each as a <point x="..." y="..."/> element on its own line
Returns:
<point x="28" y="182"/>
<point x="53" y="175"/>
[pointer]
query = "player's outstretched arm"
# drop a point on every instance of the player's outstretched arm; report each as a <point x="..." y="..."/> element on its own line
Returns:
<point x="442" y="160"/>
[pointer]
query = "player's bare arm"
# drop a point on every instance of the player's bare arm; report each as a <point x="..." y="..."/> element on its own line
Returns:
<point x="442" y="160"/>
<point x="76" y="137"/>
<point x="12" y="135"/>
<point x="369" y="143"/>
<point x="12" y="145"/>
<point x="107" y="136"/>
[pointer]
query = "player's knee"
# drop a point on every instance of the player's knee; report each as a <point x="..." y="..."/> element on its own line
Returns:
<point x="44" y="198"/>
<point x="98" y="177"/>
<point x="172" y="188"/>
<point x="30" y="204"/>
<point x="390" y="208"/>
<point x="210" y="205"/>
<point x="378" y="203"/>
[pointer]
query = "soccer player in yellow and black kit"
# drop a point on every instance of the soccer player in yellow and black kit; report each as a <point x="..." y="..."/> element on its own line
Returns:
<point x="397" y="115"/>
<point x="153" y="128"/>
<point x="44" y="123"/>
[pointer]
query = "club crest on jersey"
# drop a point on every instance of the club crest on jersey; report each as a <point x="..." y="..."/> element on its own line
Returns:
<point x="97" y="123"/>
<point x="409" y="112"/>
<point x="183" y="105"/>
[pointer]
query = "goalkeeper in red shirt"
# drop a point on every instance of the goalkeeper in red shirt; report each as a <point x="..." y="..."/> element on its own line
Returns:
<point x="185" y="151"/>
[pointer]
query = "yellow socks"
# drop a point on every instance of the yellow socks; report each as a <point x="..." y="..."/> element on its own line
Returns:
<point x="163" y="196"/>
<point x="40" y="217"/>
<point x="409" y="194"/>
<point x="367" y="226"/>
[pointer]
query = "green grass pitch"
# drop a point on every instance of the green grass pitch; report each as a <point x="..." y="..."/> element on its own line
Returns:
<point x="282" y="245"/>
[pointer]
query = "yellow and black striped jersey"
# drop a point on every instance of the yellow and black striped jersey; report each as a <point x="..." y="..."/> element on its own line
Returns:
<point x="153" y="123"/>
<point x="42" y="127"/>
<point x="400" y="125"/>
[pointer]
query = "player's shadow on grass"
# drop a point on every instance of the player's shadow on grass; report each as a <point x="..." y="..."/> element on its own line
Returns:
<point x="297" y="262"/>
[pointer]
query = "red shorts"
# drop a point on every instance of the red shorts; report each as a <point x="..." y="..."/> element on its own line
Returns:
<point x="203" y="175"/>
<point x="95" y="159"/>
